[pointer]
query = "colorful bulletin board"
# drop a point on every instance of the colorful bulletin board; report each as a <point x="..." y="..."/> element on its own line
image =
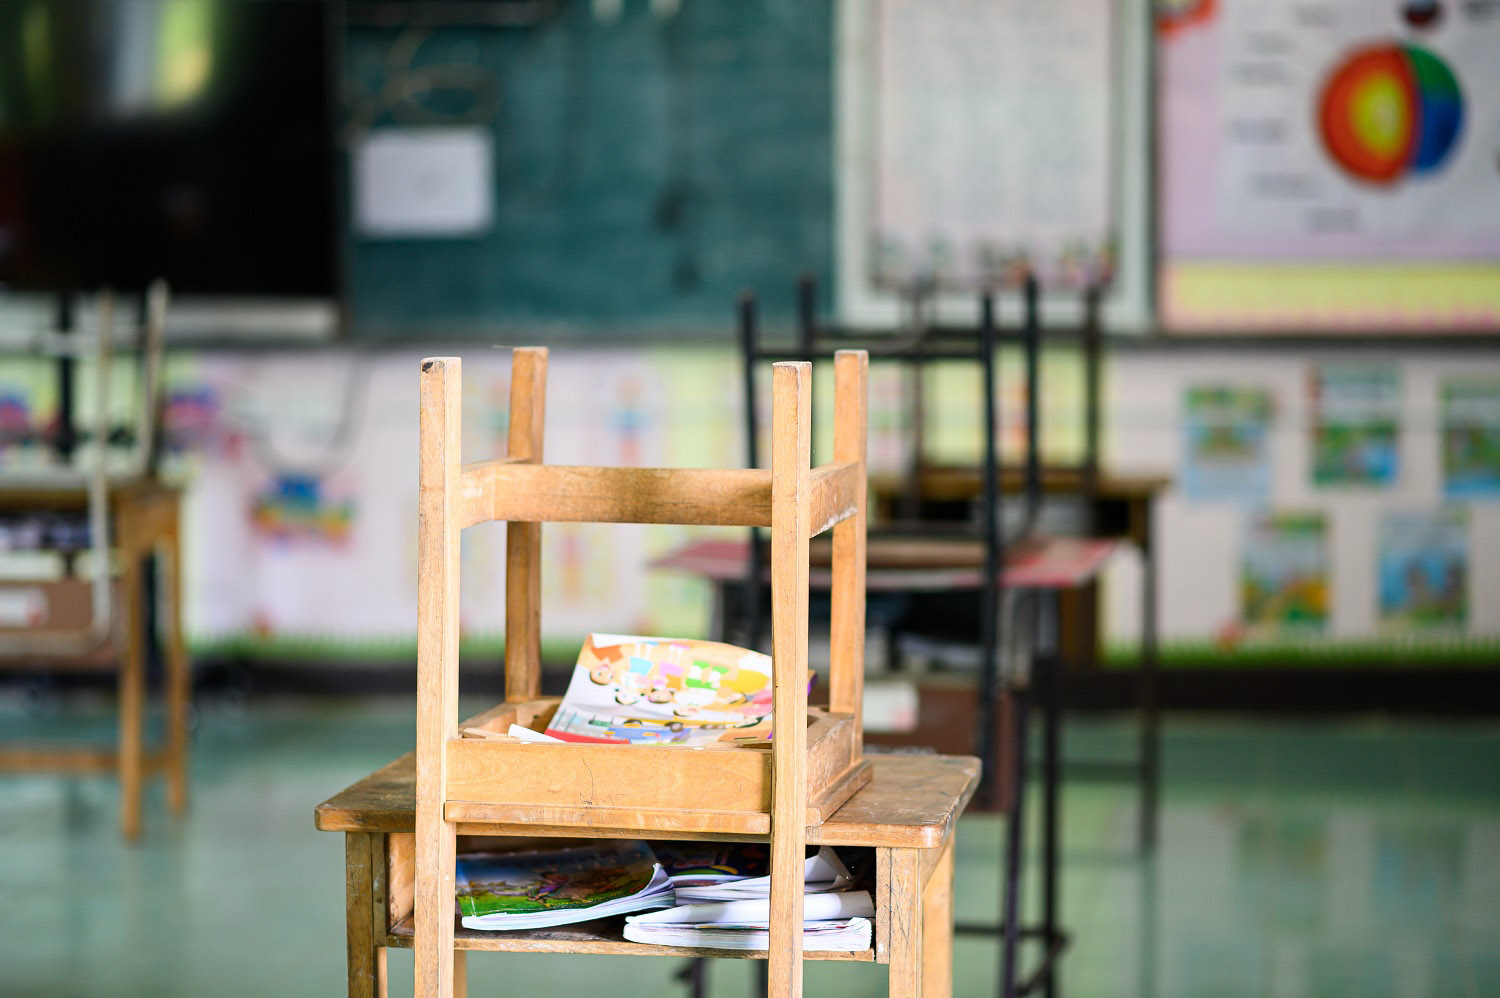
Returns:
<point x="1329" y="165"/>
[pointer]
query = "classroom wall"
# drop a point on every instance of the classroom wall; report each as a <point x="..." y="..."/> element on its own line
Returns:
<point x="302" y="544"/>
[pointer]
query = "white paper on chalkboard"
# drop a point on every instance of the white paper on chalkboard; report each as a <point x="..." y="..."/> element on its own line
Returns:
<point x="980" y="137"/>
<point x="992" y="146"/>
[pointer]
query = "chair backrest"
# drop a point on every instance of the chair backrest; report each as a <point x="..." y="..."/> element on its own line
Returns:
<point x="525" y="492"/>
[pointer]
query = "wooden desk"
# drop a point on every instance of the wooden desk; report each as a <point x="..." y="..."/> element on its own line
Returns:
<point x="145" y="522"/>
<point x="906" y="814"/>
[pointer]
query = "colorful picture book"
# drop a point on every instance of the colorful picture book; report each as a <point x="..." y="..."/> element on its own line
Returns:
<point x="1356" y="416"/>
<point x="537" y="889"/>
<point x="1284" y="575"/>
<point x="1227" y="443"/>
<point x="702" y="864"/>
<point x="628" y="689"/>
<point x="1471" y="438"/>
<point x="1424" y="568"/>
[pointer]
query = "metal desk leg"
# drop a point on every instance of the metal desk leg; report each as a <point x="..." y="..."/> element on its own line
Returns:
<point x="1147" y="693"/>
<point x="1015" y="830"/>
<point x="1050" y="673"/>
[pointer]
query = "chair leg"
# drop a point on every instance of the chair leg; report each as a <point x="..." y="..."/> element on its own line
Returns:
<point x="132" y="696"/>
<point x="437" y="971"/>
<point x="179" y="681"/>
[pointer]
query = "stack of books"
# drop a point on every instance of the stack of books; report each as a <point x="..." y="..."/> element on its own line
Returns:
<point x="723" y="901"/>
<point x="709" y="895"/>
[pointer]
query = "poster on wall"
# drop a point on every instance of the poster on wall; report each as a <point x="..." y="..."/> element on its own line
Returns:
<point x="1226" y="443"/>
<point x="1424" y="568"/>
<point x="1356" y="418"/>
<point x="1471" y="438"/>
<point x="1284" y="573"/>
<point x="1329" y="165"/>
<point x="1016" y="96"/>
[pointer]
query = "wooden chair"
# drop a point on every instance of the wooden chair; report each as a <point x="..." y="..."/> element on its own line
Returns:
<point x="127" y="515"/>
<point x="493" y="783"/>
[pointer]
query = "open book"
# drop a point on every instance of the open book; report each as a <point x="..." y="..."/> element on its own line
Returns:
<point x="628" y="689"/>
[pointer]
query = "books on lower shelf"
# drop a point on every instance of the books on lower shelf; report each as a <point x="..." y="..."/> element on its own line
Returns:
<point x="723" y="901"/>
<point x="541" y="888"/>
<point x="706" y="871"/>
<point x="725" y="884"/>
<point x="850" y="935"/>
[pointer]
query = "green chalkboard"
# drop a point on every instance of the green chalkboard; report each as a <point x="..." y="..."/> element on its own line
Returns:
<point x="646" y="168"/>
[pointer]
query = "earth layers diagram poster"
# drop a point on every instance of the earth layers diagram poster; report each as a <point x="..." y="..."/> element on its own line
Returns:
<point x="1330" y="164"/>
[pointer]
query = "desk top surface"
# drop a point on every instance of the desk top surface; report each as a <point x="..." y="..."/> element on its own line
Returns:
<point x="953" y="482"/>
<point x="907" y="564"/>
<point x="911" y="801"/>
<point x="62" y="497"/>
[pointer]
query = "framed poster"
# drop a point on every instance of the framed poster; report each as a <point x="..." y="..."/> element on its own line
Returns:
<point x="992" y="141"/>
<point x="981" y="139"/>
<point x="1329" y="166"/>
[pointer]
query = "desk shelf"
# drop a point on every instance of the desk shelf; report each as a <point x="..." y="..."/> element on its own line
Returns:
<point x="905" y="815"/>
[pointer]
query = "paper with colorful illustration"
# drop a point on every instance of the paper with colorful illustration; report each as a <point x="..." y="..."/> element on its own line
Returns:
<point x="1471" y="438"/>
<point x="1284" y="575"/>
<point x="1424" y="568"/>
<point x="1356" y="419"/>
<point x="1226" y="446"/>
<point x="628" y="689"/>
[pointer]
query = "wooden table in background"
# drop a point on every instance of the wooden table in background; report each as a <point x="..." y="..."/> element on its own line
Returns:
<point x="145" y="522"/>
<point x="1117" y="505"/>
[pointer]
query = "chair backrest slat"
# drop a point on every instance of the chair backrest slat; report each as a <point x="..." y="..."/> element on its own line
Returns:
<point x="548" y="493"/>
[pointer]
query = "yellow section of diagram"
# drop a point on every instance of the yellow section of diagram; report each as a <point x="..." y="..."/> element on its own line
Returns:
<point x="1354" y="298"/>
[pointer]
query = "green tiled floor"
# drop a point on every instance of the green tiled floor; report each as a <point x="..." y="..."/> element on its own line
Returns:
<point x="1298" y="858"/>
